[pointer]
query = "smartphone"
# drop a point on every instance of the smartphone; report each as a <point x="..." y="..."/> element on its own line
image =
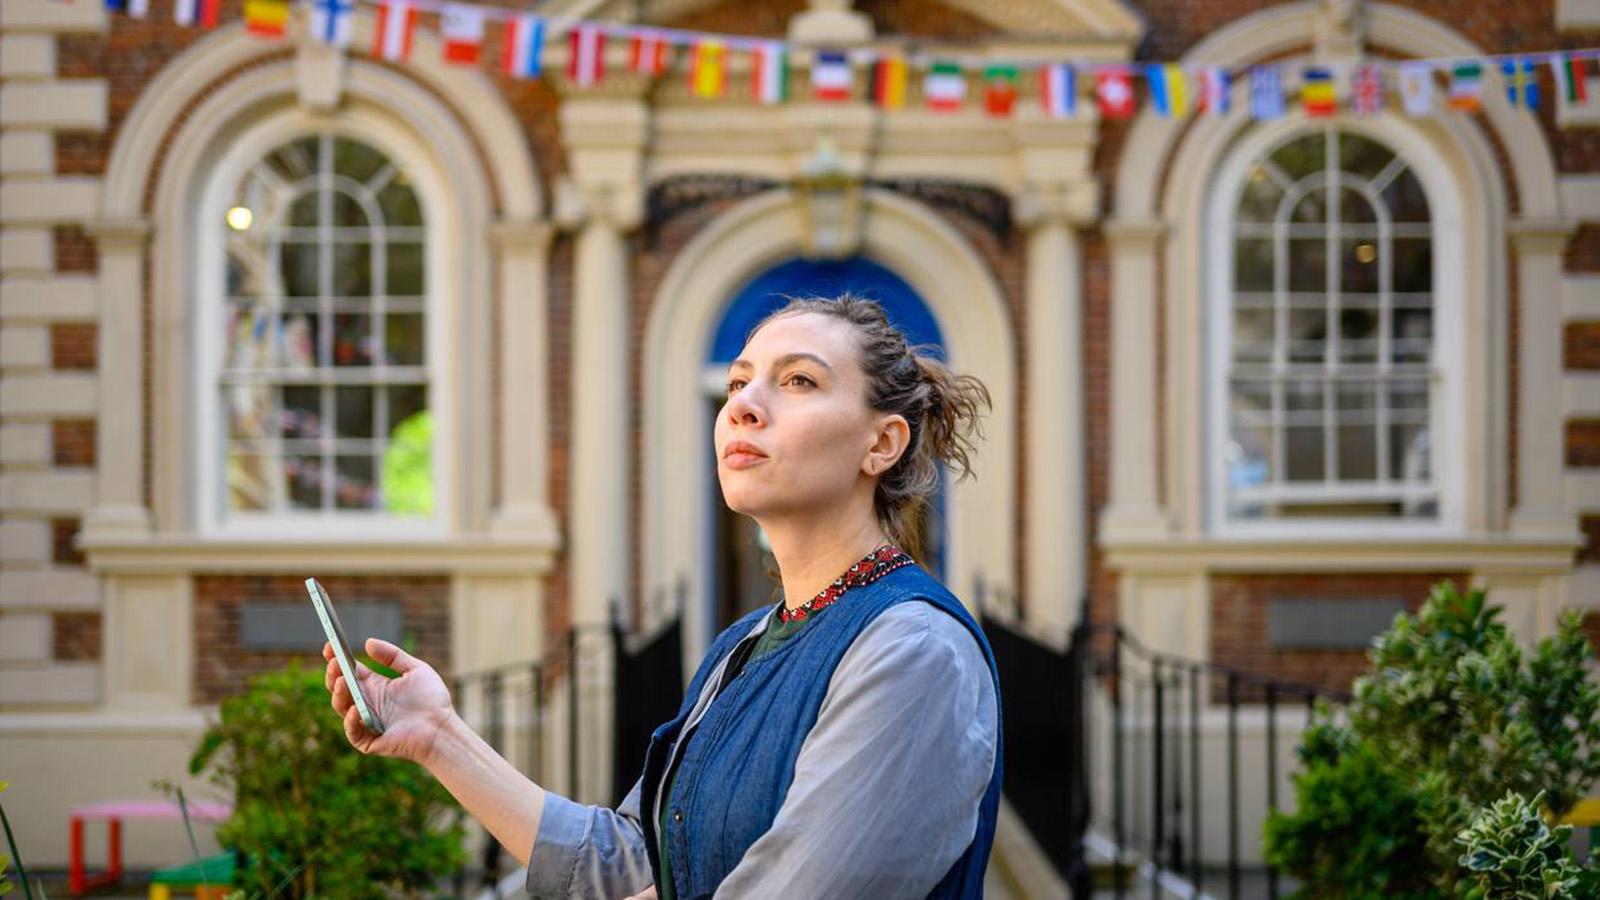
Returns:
<point x="341" y="652"/>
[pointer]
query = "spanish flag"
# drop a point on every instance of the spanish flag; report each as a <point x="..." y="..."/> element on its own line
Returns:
<point x="706" y="71"/>
<point x="889" y="82"/>
<point x="266" y="18"/>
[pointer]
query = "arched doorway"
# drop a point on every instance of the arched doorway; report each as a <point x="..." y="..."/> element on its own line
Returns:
<point x="743" y="565"/>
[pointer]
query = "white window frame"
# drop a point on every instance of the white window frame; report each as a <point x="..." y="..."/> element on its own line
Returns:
<point x="1446" y="432"/>
<point x="208" y="418"/>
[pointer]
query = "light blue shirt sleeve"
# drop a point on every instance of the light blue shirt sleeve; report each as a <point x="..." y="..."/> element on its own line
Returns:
<point x="886" y="789"/>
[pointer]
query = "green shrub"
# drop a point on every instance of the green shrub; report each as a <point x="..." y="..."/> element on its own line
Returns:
<point x="312" y="816"/>
<point x="1512" y="853"/>
<point x="1456" y="712"/>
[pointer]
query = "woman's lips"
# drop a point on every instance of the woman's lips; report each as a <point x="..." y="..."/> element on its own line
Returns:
<point x="743" y="460"/>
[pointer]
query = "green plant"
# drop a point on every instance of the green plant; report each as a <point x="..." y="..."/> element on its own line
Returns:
<point x="1457" y="712"/>
<point x="1512" y="853"/>
<point x="314" y="818"/>
<point x="6" y="886"/>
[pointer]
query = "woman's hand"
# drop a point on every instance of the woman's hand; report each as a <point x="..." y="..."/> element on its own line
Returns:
<point x="413" y="708"/>
<point x="648" y="893"/>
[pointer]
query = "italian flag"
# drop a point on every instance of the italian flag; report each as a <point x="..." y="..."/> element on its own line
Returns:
<point x="771" y="81"/>
<point x="945" y="87"/>
<point x="462" y="30"/>
<point x="266" y="18"/>
<point x="706" y="69"/>
<point x="1571" y="79"/>
<point x="397" y="24"/>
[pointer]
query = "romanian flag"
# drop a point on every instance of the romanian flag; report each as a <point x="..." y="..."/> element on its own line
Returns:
<point x="1058" y="90"/>
<point x="520" y="57"/>
<point x="461" y="27"/>
<point x="1522" y="82"/>
<point x="587" y="63"/>
<point x="1169" y="90"/>
<point x="649" y="55"/>
<point x="706" y="78"/>
<point x="397" y="24"/>
<point x="266" y="18"/>
<point x="945" y="87"/>
<point x="770" y="83"/>
<point x="1466" y="87"/>
<point x="999" y="90"/>
<point x="205" y="13"/>
<point x="889" y="78"/>
<point x="1571" y="79"/>
<point x="1316" y="92"/>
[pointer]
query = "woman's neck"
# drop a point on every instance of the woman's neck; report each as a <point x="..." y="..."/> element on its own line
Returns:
<point x="810" y="559"/>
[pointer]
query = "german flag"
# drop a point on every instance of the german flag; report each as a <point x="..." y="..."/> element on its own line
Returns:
<point x="889" y="79"/>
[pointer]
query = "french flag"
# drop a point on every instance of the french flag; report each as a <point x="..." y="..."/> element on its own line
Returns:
<point x="587" y="64"/>
<point x="397" y="24"/>
<point x="462" y="30"/>
<point x="205" y="13"/>
<point x="524" y="44"/>
<point x="1059" y="90"/>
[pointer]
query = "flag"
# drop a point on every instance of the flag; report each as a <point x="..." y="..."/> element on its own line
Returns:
<point x="1058" y="89"/>
<point x="649" y="55"/>
<point x="520" y="58"/>
<point x="1169" y="89"/>
<point x="1571" y="79"/>
<point x="1416" y="88"/>
<point x="1366" y="96"/>
<point x="706" y="69"/>
<point x="889" y="81"/>
<point x="1114" y="89"/>
<point x="945" y="87"/>
<point x="1215" y="89"/>
<point x="831" y="76"/>
<point x="205" y="13"/>
<point x="1316" y="92"/>
<point x="330" y="21"/>
<point x="587" y="64"/>
<point x="1466" y="87"/>
<point x="999" y="89"/>
<point x="771" y="81"/>
<point x="397" y="23"/>
<point x="266" y="18"/>
<point x="461" y="27"/>
<point x="1266" y="92"/>
<point x="1522" y="82"/>
<point x="138" y="9"/>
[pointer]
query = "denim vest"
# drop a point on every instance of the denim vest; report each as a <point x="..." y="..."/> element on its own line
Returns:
<point x="737" y="767"/>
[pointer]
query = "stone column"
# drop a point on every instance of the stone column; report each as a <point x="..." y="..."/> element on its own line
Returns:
<point x="1541" y="507"/>
<point x="1134" y="508"/>
<point x="1056" y="538"/>
<point x="521" y="252"/>
<point x="120" y="511"/>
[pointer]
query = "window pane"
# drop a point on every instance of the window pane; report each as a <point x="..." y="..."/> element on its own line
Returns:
<point x="1303" y="401"/>
<point x="297" y="262"/>
<point x="1252" y="335"/>
<point x="1302" y="156"/>
<point x="1252" y="265"/>
<point x="1358" y="266"/>
<point x="405" y="270"/>
<point x="1357" y="400"/>
<point x="404" y="339"/>
<point x="300" y="417"/>
<point x="405" y="401"/>
<point x="399" y="203"/>
<point x="352" y="270"/>
<point x="295" y="160"/>
<point x="352" y="340"/>
<point x="1409" y="397"/>
<point x="247" y="269"/>
<point x="1305" y="453"/>
<point x="1409" y="452"/>
<point x="249" y="336"/>
<point x="297" y="341"/>
<point x="408" y="463"/>
<point x="1358" y="334"/>
<point x="250" y="411"/>
<point x="1308" y="335"/>
<point x="355" y="411"/>
<point x="1405" y="198"/>
<point x="1249" y="455"/>
<point x="1354" y="208"/>
<point x="1362" y="156"/>
<point x="1308" y="264"/>
<point x="355" y="488"/>
<point x="1259" y="200"/>
<point x="356" y="159"/>
<point x="306" y="211"/>
<point x="1412" y="259"/>
<point x="303" y="481"/>
<point x="1312" y="208"/>
<point x="347" y="211"/>
<point x="1412" y="331"/>
<point x="1358" y="453"/>
<point x="250" y="478"/>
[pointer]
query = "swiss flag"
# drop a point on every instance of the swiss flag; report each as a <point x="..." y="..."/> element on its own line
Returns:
<point x="1114" y="89"/>
<point x="462" y="30"/>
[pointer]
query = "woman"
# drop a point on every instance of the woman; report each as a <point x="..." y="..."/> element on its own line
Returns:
<point x="842" y="744"/>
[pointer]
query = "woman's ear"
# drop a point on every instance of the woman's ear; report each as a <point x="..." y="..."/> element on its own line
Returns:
<point x="893" y="436"/>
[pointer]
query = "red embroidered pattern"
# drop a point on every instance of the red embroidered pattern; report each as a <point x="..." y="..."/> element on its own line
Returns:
<point x="868" y="569"/>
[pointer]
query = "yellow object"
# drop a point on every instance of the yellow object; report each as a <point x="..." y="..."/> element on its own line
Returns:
<point x="1586" y="813"/>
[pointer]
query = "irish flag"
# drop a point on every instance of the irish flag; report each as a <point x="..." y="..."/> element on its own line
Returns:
<point x="205" y="13"/>
<point x="397" y="24"/>
<point x="1466" y="87"/>
<point x="770" y="83"/>
<point x="1571" y="80"/>
<point x="524" y="44"/>
<point x="588" y="55"/>
<point x="945" y="87"/>
<point x="461" y="27"/>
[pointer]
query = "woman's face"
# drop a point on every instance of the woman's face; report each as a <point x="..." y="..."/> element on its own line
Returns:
<point x="797" y="403"/>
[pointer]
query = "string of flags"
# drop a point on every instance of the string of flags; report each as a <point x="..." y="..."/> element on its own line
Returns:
<point x="1171" y="90"/>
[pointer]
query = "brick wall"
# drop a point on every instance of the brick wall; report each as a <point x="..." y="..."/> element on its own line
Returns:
<point x="73" y="345"/>
<point x="1239" y="604"/>
<point x="72" y="442"/>
<point x="1581" y="346"/>
<point x="223" y="667"/>
<point x="1583" y="443"/>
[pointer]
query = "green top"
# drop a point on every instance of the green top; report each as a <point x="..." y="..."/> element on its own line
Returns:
<point x="776" y="633"/>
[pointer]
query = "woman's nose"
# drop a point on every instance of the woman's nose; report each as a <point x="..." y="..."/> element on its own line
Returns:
<point x="744" y="406"/>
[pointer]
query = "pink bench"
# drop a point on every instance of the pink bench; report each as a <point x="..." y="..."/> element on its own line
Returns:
<point x="112" y="812"/>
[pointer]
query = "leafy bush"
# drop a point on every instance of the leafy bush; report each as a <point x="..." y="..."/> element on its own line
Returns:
<point x="1513" y="854"/>
<point x="1456" y="712"/>
<point x="313" y="817"/>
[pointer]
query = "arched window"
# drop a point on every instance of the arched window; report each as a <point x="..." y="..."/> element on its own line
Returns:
<point x="323" y="378"/>
<point x="1325" y="346"/>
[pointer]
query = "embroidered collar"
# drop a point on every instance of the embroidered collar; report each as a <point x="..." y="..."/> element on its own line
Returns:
<point x="866" y="570"/>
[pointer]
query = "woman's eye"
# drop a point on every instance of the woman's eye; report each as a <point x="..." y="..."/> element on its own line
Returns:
<point x="734" y="384"/>
<point x="802" y="378"/>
